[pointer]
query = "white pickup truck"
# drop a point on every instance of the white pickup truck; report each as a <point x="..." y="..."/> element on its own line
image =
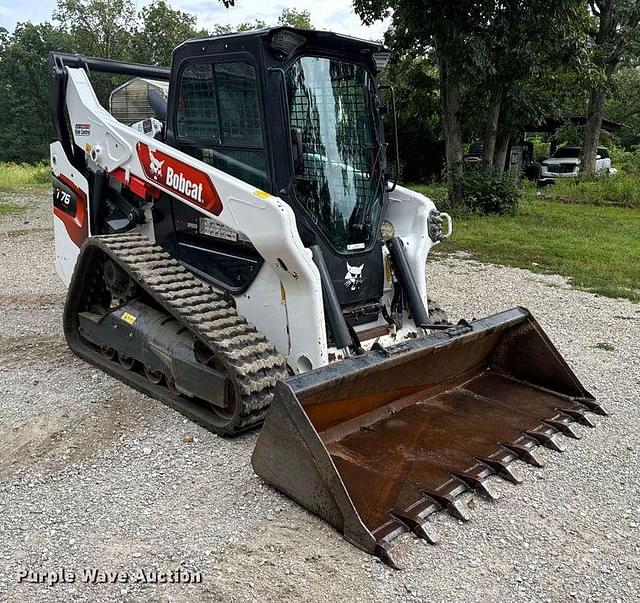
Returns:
<point x="565" y="163"/>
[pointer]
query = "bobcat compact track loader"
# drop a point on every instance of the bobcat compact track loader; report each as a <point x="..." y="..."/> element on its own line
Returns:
<point x="243" y="248"/>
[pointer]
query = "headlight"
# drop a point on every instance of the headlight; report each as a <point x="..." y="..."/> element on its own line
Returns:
<point x="387" y="230"/>
<point x="434" y="226"/>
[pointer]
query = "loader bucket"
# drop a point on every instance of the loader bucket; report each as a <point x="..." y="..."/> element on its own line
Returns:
<point x="377" y="443"/>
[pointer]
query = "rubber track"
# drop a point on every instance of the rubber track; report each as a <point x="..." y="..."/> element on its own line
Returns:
<point x="251" y="360"/>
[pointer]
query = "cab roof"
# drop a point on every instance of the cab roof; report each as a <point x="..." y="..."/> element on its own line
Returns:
<point x="307" y="39"/>
<point x="328" y="37"/>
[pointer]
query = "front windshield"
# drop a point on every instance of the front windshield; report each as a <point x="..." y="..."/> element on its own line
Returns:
<point x="567" y="153"/>
<point x="339" y="180"/>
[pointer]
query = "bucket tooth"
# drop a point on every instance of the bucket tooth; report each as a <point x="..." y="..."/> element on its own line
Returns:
<point x="578" y="416"/>
<point x="477" y="484"/>
<point x="546" y="439"/>
<point x="383" y="552"/>
<point x="526" y="454"/>
<point x="594" y="407"/>
<point x="563" y="427"/>
<point x="451" y="505"/>
<point x="416" y="524"/>
<point x="502" y="469"/>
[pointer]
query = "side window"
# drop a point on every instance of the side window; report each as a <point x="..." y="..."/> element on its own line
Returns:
<point x="198" y="106"/>
<point x="603" y="153"/>
<point x="239" y="110"/>
<point x="219" y="120"/>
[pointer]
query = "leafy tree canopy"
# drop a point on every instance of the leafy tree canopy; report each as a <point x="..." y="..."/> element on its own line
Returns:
<point x="105" y="28"/>
<point x="160" y="29"/>
<point x="295" y="18"/>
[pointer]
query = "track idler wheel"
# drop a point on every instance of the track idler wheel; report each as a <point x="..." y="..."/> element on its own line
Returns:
<point x="126" y="361"/>
<point x="117" y="281"/>
<point x="154" y="377"/>
<point x="108" y="352"/>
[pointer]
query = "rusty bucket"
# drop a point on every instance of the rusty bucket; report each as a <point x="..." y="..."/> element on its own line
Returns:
<point x="377" y="443"/>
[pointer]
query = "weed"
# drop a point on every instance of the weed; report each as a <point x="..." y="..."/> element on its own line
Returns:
<point x="607" y="347"/>
<point x="14" y="176"/>
<point x="8" y="209"/>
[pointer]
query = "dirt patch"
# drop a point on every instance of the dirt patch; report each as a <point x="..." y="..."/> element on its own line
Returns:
<point x="29" y="301"/>
<point x="16" y="352"/>
<point x="258" y="564"/>
<point x="55" y="440"/>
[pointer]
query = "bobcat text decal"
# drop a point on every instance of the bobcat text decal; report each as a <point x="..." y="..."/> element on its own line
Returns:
<point x="178" y="178"/>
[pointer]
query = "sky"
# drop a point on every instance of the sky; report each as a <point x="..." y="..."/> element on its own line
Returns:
<point x="334" y="15"/>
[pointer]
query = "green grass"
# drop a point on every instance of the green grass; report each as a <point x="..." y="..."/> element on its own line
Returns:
<point x="7" y="209"/>
<point x="596" y="246"/>
<point x="622" y="190"/>
<point x="15" y="177"/>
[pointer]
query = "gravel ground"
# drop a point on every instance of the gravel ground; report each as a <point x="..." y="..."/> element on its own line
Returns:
<point x="96" y="475"/>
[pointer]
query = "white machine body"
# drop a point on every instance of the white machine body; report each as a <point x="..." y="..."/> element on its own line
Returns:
<point x="285" y="300"/>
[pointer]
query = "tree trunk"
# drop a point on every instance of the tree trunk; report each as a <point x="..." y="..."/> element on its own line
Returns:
<point x="592" y="131"/>
<point x="451" y="99"/>
<point x="491" y="130"/>
<point x="606" y="34"/>
<point x="502" y="148"/>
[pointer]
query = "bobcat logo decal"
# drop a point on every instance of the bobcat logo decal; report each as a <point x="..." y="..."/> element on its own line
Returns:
<point x="353" y="278"/>
<point x="178" y="178"/>
<point x="156" y="166"/>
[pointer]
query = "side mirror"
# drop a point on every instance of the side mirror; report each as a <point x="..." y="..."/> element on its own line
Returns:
<point x="297" y="149"/>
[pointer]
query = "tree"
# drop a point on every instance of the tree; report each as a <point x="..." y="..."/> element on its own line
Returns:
<point x="623" y="105"/>
<point x="161" y="29"/>
<point x="522" y="40"/>
<point x="223" y="28"/>
<point x="615" y="38"/>
<point x="449" y="29"/>
<point x="102" y="28"/>
<point x="301" y="19"/>
<point x="26" y="123"/>
<point x="488" y="52"/>
<point x="292" y="17"/>
<point x="460" y="34"/>
<point x="416" y="85"/>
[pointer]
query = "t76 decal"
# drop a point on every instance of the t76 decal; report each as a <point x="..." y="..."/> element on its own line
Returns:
<point x="178" y="178"/>
<point x="70" y="205"/>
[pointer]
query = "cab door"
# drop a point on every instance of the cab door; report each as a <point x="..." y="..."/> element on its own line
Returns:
<point x="217" y="119"/>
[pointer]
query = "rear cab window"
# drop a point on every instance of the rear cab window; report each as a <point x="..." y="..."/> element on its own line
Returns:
<point x="219" y="120"/>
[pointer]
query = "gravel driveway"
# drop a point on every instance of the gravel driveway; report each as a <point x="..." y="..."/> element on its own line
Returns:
<point x="96" y="475"/>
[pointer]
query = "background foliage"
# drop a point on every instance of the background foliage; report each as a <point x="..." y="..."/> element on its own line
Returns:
<point x="465" y="71"/>
<point x="111" y="29"/>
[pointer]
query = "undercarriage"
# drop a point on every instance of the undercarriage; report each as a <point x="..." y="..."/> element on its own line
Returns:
<point x="140" y="316"/>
